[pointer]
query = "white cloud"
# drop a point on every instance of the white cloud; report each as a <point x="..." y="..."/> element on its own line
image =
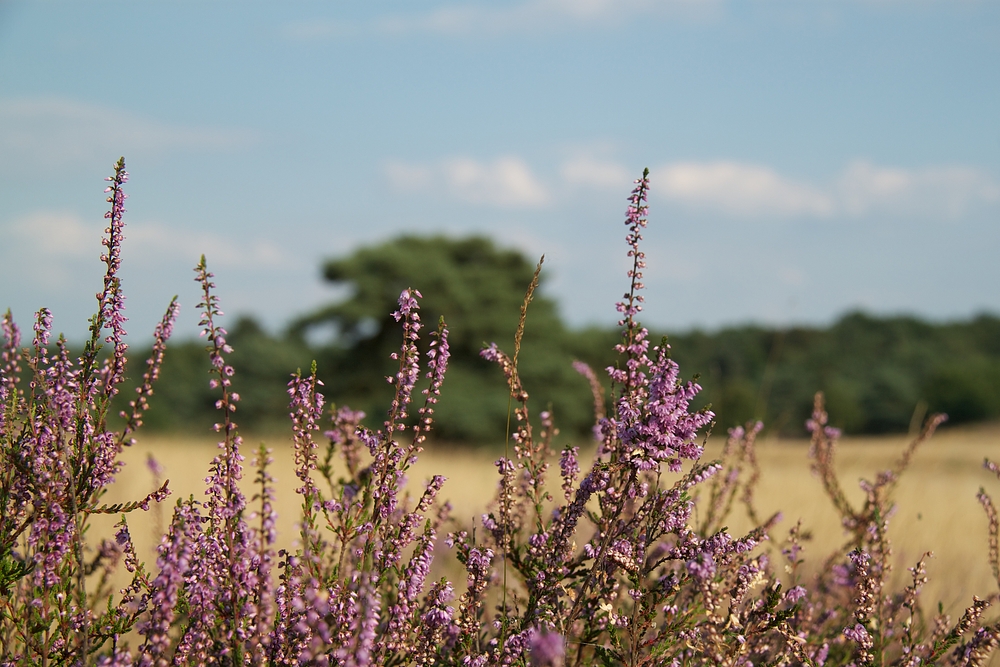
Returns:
<point x="943" y="191"/>
<point x="862" y="189"/>
<point x="53" y="131"/>
<point x="733" y="189"/>
<point x="153" y="240"/>
<point x="589" y="172"/>
<point x="741" y="190"/>
<point x="57" y="236"/>
<point x="54" y="248"/>
<point x="412" y="177"/>
<point x="506" y="182"/>
<point x="63" y="235"/>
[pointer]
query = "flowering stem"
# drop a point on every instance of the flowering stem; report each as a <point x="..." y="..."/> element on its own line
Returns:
<point x="636" y="211"/>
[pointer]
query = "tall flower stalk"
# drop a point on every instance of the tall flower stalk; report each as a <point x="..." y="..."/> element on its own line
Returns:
<point x="59" y="456"/>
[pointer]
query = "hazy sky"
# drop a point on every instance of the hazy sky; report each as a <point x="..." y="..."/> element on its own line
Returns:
<point x="806" y="157"/>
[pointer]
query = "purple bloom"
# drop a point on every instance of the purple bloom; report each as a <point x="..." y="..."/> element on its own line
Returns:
<point x="569" y="468"/>
<point x="111" y="301"/>
<point x="479" y="562"/>
<point x="859" y="634"/>
<point x="174" y="563"/>
<point x="119" y="658"/>
<point x="822" y="654"/>
<point x="658" y="427"/>
<point x="795" y="594"/>
<point x="547" y="649"/>
<point x="306" y="409"/>
<point x="702" y="566"/>
<point x="437" y="364"/>
<point x="161" y="334"/>
<point x="409" y="365"/>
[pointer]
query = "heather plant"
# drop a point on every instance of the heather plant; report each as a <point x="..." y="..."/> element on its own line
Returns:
<point x="630" y="563"/>
<point x="59" y="456"/>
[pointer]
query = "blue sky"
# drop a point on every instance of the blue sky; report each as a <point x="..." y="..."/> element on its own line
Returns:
<point x="806" y="157"/>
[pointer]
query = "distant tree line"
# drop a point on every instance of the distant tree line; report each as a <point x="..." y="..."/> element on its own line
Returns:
<point x="879" y="374"/>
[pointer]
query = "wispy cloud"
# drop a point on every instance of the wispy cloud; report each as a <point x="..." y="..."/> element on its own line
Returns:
<point x="742" y="190"/>
<point x="56" y="131"/>
<point x="723" y="187"/>
<point x="153" y="239"/>
<point x="60" y="236"/>
<point x="506" y="182"/>
<point x="589" y="172"/>
<point x="50" y="246"/>
<point x="63" y="235"/>
<point x="945" y="191"/>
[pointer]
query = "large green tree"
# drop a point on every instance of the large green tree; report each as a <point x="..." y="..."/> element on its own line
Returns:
<point x="478" y="288"/>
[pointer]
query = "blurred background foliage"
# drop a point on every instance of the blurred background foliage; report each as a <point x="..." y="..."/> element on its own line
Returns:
<point x="880" y="374"/>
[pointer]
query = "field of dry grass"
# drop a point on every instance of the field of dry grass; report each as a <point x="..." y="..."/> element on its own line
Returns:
<point x="936" y="498"/>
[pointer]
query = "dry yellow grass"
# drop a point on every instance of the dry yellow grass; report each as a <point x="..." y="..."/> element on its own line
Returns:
<point x="937" y="507"/>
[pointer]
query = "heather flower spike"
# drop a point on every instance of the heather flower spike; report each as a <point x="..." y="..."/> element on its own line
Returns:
<point x="161" y="334"/>
<point x="110" y="300"/>
<point x="59" y="456"/>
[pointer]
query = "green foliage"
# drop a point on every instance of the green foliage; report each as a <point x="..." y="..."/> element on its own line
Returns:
<point x="876" y="372"/>
<point x="184" y="401"/>
<point x="478" y="288"/>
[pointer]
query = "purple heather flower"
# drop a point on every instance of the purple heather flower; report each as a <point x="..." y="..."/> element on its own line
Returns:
<point x="795" y="594"/>
<point x="174" y="563"/>
<point x="662" y="429"/>
<point x="10" y="354"/>
<point x="306" y="410"/>
<point x="702" y="566"/>
<point x="119" y="658"/>
<point x="860" y="560"/>
<point x="437" y="365"/>
<point x="843" y="575"/>
<point x="201" y="588"/>
<point x="368" y="629"/>
<point x="111" y="301"/>
<point x="636" y="220"/>
<point x="570" y="469"/>
<point x="547" y="649"/>
<point x="430" y="493"/>
<point x="43" y="330"/>
<point x="409" y="364"/>
<point x="477" y="564"/>
<point x="858" y="634"/>
<point x="491" y="353"/>
<point x="154" y="466"/>
<point x="819" y="421"/>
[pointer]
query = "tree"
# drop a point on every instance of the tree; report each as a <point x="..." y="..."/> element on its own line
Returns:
<point x="478" y="288"/>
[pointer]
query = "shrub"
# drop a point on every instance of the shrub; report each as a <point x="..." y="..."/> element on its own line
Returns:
<point x="615" y="571"/>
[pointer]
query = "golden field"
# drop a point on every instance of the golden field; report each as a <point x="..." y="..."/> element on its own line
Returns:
<point x="936" y="498"/>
